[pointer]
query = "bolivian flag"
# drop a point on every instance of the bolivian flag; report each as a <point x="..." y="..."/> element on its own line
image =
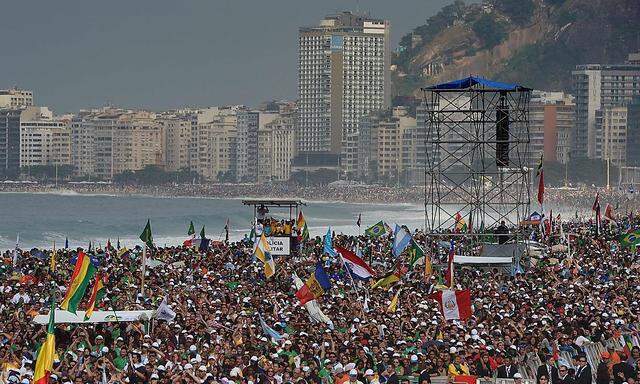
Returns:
<point x="263" y="252"/>
<point x="97" y="293"/>
<point x="82" y="274"/>
<point x="44" y="360"/>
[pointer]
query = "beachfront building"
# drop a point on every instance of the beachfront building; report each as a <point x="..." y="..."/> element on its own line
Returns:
<point x="387" y="149"/>
<point x="597" y="87"/>
<point x="138" y="141"/>
<point x="612" y="125"/>
<point x="45" y="139"/>
<point x="109" y="141"/>
<point x="633" y="132"/>
<point x="343" y="75"/>
<point x="551" y="123"/>
<point x="9" y="142"/>
<point x="276" y="148"/>
<point x="247" y="144"/>
<point x="214" y="143"/>
<point x="15" y="98"/>
<point x="177" y="129"/>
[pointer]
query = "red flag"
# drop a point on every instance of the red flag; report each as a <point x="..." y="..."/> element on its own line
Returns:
<point x="449" y="275"/>
<point x="608" y="213"/>
<point x="540" y="175"/>
<point x="596" y="208"/>
<point x="454" y="305"/>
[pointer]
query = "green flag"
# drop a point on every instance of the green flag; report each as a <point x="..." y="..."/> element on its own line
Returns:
<point x="630" y="239"/>
<point x="376" y="230"/>
<point x="202" y="236"/>
<point x="146" y="236"/>
<point x="415" y="253"/>
<point x="191" y="230"/>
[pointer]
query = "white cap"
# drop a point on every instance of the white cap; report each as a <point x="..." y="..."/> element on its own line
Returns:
<point x="353" y="372"/>
<point x="517" y="375"/>
<point x="368" y="372"/>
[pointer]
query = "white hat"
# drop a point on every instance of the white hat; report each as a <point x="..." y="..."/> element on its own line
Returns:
<point x="368" y="372"/>
<point x="353" y="372"/>
<point x="517" y="375"/>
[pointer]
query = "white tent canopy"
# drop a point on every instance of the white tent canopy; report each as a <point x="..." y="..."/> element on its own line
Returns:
<point x="96" y="317"/>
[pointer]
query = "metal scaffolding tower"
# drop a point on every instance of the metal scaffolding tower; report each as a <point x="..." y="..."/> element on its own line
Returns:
<point x="477" y="143"/>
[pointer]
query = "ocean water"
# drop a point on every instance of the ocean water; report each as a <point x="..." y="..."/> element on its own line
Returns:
<point x="39" y="219"/>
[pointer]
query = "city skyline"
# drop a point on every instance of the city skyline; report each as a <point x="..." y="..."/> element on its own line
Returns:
<point x="78" y="57"/>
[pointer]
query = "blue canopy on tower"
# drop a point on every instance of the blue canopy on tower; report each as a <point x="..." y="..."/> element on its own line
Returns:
<point x="472" y="81"/>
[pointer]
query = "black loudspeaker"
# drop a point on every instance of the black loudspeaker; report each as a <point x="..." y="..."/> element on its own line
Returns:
<point x="502" y="134"/>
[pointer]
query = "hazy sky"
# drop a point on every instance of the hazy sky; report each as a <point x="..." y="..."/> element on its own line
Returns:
<point x="165" y="53"/>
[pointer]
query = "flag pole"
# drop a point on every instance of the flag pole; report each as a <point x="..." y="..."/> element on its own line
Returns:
<point x="353" y="285"/>
<point x="144" y="264"/>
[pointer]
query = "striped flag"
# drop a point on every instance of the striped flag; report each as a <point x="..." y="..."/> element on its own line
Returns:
<point x="82" y="274"/>
<point x="46" y="353"/>
<point x="355" y="265"/>
<point x="97" y="293"/>
<point x="263" y="252"/>
<point x="455" y="305"/>
<point x="301" y="224"/>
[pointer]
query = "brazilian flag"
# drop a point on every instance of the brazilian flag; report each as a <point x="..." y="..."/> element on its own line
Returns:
<point x="376" y="230"/>
<point x="415" y="253"/>
<point x="631" y="239"/>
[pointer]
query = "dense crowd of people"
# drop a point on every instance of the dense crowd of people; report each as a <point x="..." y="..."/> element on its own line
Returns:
<point x="577" y="198"/>
<point x="541" y="322"/>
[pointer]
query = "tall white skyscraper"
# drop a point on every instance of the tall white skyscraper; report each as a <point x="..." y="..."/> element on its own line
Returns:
<point x="343" y="74"/>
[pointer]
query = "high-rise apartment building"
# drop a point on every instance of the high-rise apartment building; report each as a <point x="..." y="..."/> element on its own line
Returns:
<point x="44" y="138"/>
<point x="343" y="75"/>
<point x="276" y="147"/>
<point x="633" y="132"/>
<point x="596" y="87"/>
<point x="215" y="143"/>
<point x="138" y="141"/>
<point x="388" y="151"/>
<point x="109" y="141"/>
<point x="15" y="97"/>
<point x="551" y="122"/>
<point x="10" y="142"/>
<point x="612" y="125"/>
<point x="177" y="130"/>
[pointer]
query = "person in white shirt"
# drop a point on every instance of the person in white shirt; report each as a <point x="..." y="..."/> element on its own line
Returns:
<point x="21" y="295"/>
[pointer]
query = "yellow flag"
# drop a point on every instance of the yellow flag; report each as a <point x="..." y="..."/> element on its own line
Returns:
<point x="394" y="303"/>
<point x="52" y="262"/>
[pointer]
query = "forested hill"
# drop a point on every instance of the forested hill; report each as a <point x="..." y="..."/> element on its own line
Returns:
<point x="532" y="42"/>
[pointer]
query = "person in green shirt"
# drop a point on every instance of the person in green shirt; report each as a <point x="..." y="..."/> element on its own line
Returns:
<point x="120" y="361"/>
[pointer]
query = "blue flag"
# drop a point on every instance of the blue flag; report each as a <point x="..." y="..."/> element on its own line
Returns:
<point x="270" y="332"/>
<point x="401" y="240"/>
<point x="328" y="247"/>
